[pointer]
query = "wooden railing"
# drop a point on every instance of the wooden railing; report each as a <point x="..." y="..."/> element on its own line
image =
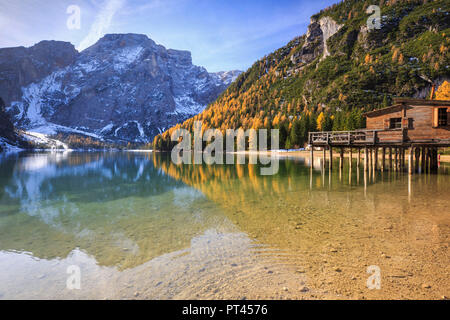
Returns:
<point x="357" y="137"/>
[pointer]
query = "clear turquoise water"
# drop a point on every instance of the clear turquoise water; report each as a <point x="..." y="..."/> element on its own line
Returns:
<point x="139" y="226"/>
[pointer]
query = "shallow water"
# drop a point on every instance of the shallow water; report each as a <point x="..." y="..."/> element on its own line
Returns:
<point x="139" y="227"/>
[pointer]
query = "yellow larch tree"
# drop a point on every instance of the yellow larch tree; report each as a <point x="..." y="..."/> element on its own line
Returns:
<point x="443" y="93"/>
<point x="320" y="121"/>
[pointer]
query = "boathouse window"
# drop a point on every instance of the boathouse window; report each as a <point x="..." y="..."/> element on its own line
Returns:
<point x="442" y="116"/>
<point x="395" y="123"/>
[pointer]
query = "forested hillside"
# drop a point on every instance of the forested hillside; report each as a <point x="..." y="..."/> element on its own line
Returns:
<point x="9" y="139"/>
<point x="327" y="78"/>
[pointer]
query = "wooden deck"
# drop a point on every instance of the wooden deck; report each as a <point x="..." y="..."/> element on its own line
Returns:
<point x="415" y="128"/>
<point x="371" y="138"/>
<point x="395" y="147"/>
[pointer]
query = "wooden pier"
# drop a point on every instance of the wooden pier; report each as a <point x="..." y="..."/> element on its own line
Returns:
<point x="410" y="132"/>
<point x="395" y="151"/>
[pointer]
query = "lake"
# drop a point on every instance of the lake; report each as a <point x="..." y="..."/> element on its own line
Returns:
<point x="137" y="226"/>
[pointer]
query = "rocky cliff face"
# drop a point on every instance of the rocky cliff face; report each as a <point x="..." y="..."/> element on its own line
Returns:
<point x="21" y="66"/>
<point x="6" y="127"/>
<point x="125" y="88"/>
<point x="315" y="45"/>
<point x="329" y="28"/>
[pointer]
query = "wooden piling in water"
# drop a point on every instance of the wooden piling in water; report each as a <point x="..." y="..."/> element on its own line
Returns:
<point x="430" y="157"/>
<point x="366" y="160"/>
<point x="423" y="160"/>
<point x="430" y="153"/>
<point x="390" y="158"/>
<point x="376" y="159"/>
<point x="359" y="158"/>
<point x="403" y="158"/>
<point x="341" y="159"/>
<point x="430" y="165"/>
<point x="324" y="156"/>
<point x="417" y="160"/>
<point x="350" y="160"/>
<point x="435" y="160"/>
<point x="331" y="157"/>
<point x="396" y="160"/>
<point x="403" y="164"/>
<point x="431" y="160"/>
<point x="383" y="158"/>
<point x="410" y="161"/>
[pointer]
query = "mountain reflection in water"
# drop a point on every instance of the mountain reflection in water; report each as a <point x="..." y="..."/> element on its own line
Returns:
<point x="220" y="231"/>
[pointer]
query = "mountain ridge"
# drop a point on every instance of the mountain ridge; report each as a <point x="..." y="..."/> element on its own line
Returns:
<point x="124" y="88"/>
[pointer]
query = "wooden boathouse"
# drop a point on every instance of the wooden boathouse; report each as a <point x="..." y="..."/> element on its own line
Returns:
<point x="418" y="125"/>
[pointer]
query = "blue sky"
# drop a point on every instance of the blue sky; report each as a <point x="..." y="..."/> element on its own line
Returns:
<point x="221" y="34"/>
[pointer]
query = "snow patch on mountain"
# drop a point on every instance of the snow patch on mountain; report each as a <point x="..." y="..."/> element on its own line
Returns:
<point x="125" y="57"/>
<point x="107" y="128"/>
<point x="87" y="67"/>
<point x="228" y="77"/>
<point x="186" y="105"/>
<point x="34" y="96"/>
<point x="43" y="139"/>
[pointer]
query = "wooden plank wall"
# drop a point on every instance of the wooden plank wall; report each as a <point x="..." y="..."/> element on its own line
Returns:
<point x="422" y="125"/>
<point x="394" y="136"/>
<point x="373" y="123"/>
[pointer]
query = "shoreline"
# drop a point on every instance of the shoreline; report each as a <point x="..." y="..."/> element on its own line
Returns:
<point x="278" y="153"/>
<point x="318" y="154"/>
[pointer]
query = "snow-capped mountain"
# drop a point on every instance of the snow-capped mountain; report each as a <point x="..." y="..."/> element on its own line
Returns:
<point x="123" y="88"/>
<point x="228" y="77"/>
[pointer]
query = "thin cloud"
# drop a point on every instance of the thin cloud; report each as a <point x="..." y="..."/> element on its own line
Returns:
<point x="102" y="23"/>
<point x="153" y="4"/>
<point x="163" y="6"/>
